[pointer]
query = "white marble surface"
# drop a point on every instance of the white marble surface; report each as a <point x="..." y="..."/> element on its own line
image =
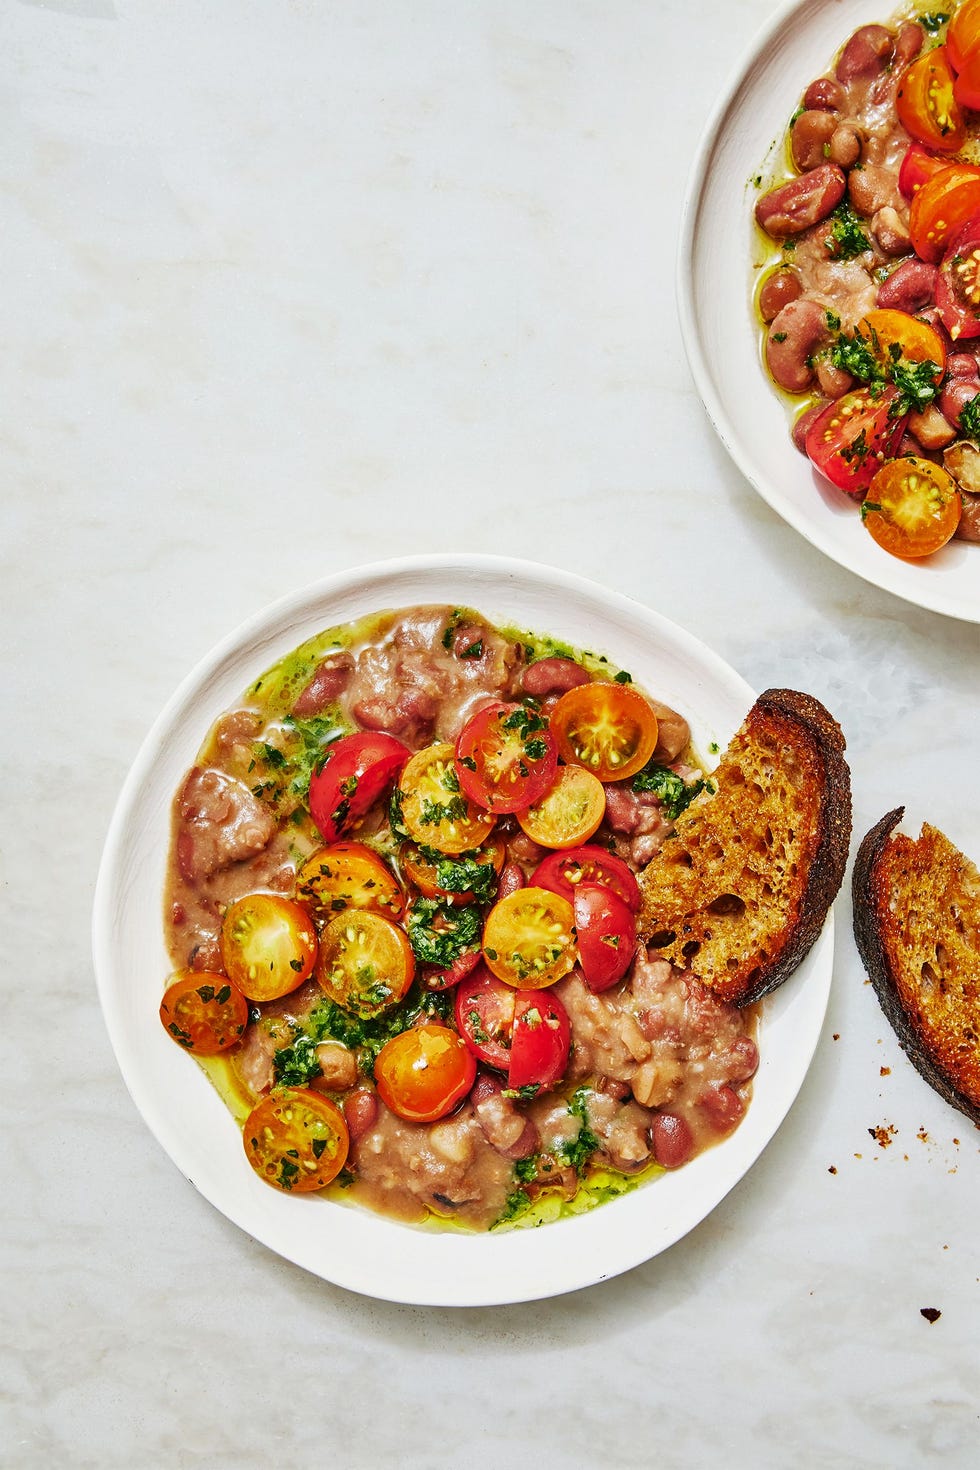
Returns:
<point x="288" y="287"/>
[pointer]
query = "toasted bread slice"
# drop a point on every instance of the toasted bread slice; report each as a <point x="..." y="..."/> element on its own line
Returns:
<point x="740" y="890"/>
<point x="917" y="926"/>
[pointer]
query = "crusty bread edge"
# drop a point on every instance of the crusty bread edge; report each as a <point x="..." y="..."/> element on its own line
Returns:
<point x="867" y="936"/>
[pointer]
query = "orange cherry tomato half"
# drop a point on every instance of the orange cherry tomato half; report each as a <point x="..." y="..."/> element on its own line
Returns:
<point x="434" y="810"/>
<point x="424" y="870"/>
<point x="610" y="729"/>
<point x="506" y="757"/>
<point x="204" y="1013"/>
<point x="424" y="1073"/>
<point x="966" y="88"/>
<point x="963" y="34"/>
<point x="569" y="813"/>
<point x="912" y="507"/>
<point x="348" y="875"/>
<point x="926" y="105"/>
<point x="268" y="945"/>
<point x="296" y="1140"/>
<point x="365" y="962"/>
<point x="893" y="334"/>
<point x="941" y="208"/>
<point x="529" y="938"/>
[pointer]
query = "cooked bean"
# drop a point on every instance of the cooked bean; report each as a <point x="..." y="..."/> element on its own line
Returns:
<point x="825" y="94"/>
<point x="866" y="53"/>
<point x="833" y="381"/>
<point x="360" y="1111"/>
<point x="957" y="393"/>
<point x="802" y="424"/>
<point x="932" y="429"/>
<point x="908" y="42"/>
<point x="673" y="1141"/>
<point x="553" y="676"/>
<point x="673" y="732"/>
<point x="891" y="231"/>
<point x="962" y="461"/>
<point x="909" y="288"/>
<point x="845" y="145"/>
<point x="801" y="202"/>
<point x="969" y="526"/>
<point x="810" y="138"/>
<point x="511" y="879"/>
<point x="871" y="187"/>
<point x="794" y="335"/>
<point x="962" y="365"/>
<point x="778" y="289"/>
<point x="338" y="1066"/>
<point x="330" y="679"/>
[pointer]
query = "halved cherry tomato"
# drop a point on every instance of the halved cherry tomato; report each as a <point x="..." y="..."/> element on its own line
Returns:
<point x="610" y="729"/>
<point x="849" y="441"/>
<point x="941" y="208"/>
<point x="918" y="167"/>
<point x="484" y="1010"/>
<point x="296" y="1139"/>
<point x="357" y="772"/>
<point x="562" y="872"/>
<point x="912" y="508"/>
<point x="606" y="931"/>
<point x="506" y="757"/>
<point x="529" y="938"/>
<point x="434" y="811"/>
<point x="425" y="871"/>
<point x="958" y="285"/>
<point x="423" y="1073"/>
<point x="569" y="813"/>
<point x="204" y="1013"/>
<point x="963" y="34"/>
<point x="525" y="1033"/>
<point x="966" y="88"/>
<point x="462" y="965"/>
<point x="365" y="963"/>
<point x="926" y="106"/>
<point x="268" y="945"/>
<point x="895" y="334"/>
<point x="348" y="875"/>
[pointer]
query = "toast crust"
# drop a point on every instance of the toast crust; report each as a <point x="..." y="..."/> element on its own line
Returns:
<point x="917" y="927"/>
<point x="740" y="890"/>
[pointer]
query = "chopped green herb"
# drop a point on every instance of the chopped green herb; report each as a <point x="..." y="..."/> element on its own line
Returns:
<point x="440" y="932"/>
<point x="970" y="418"/>
<point x="672" y="790"/>
<point x="846" y="239"/>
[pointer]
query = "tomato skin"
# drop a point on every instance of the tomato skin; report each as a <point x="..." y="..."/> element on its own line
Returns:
<point x="529" y="939"/>
<point x="424" y="1073"/>
<point x="958" y="284"/>
<point x="963" y="34"/>
<point x="887" y="328"/>
<point x="365" y="962"/>
<point x="569" y="813"/>
<point x="358" y="771"/>
<point x="913" y="507"/>
<point x="606" y="932"/>
<point x="296" y="1140"/>
<point x="268" y="945"/>
<point x="461" y="966"/>
<point x="610" y="729"/>
<point x="434" y="810"/>
<point x="853" y="435"/>
<point x="563" y="871"/>
<point x="941" y="208"/>
<point x="348" y="875"/>
<point x="540" y="1041"/>
<point x="926" y="105"/>
<point x="484" y="1009"/>
<point x="204" y="1013"/>
<point x="506" y="757"/>
<point x="918" y="167"/>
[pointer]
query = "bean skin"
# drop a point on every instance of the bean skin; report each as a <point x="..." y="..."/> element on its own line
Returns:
<point x="810" y="138"/>
<point x="778" y="290"/>
<point x="553" y="676"/>
<point x="866" y="53"/>
<point x="794" y="206"/>
<point x="845" y="145"/>
<point x="794" y="335"/>
<point x="911" y="287"/>
<point x="825" y="94"/>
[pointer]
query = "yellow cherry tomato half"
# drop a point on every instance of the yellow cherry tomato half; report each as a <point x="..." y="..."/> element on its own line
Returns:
<point x="912" y="507"/>
<point x="423" y="1073"/>
<point x="610" y="729"/>
<point x="365" y="962"/>
<point x="268" y="945"/>
<point x="529" y="938"/>
<point x="348" y="875"/>
<point x="296" y="1140"/>
<point x="434" y="810"/>
<point x="204" y="1013"/>
<point x="569" y="813"/>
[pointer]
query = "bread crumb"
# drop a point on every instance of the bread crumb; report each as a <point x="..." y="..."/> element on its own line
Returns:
<point x="832" y="1169"/>
<point x="884" y="1071"/>
<point x="923" y="1135"/>
<point x="837" y="1036"/>
<point x="883" y="1134"/>
<point x="931" y="1314"/>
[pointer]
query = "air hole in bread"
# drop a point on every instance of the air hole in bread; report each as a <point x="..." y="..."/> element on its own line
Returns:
<point x="691" y="948"/>
<point x="727" y="905"/>
<point x="662" y="938"/>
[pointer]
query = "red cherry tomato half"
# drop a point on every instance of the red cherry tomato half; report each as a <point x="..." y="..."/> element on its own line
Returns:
<point x="610" y="729"/>
<point x="926" y="105"/>
<point x="506" y="757"/>
<point x="296" y="1139"/>
<point x="853" y="436"/>
<point x="958" y="284"/>
<point x="204" y="1013"/>
<point x="963" y="34"/>
<point x="918" y="167"/>
<point x="358" y="771"/>
<point x="562" y="872"/>
<point x="461" y="966"/>
<point x="424" y="1073"/>
<point x="540" y="1042"/>
<point x="606" y="932"/>
<point x="268" y="945"/>
<point x="484" y="1010"/>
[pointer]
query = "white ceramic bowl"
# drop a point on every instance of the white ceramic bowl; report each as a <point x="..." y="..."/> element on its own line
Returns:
<point x="344" y="1244"/>
<point x="722" y="332"/>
